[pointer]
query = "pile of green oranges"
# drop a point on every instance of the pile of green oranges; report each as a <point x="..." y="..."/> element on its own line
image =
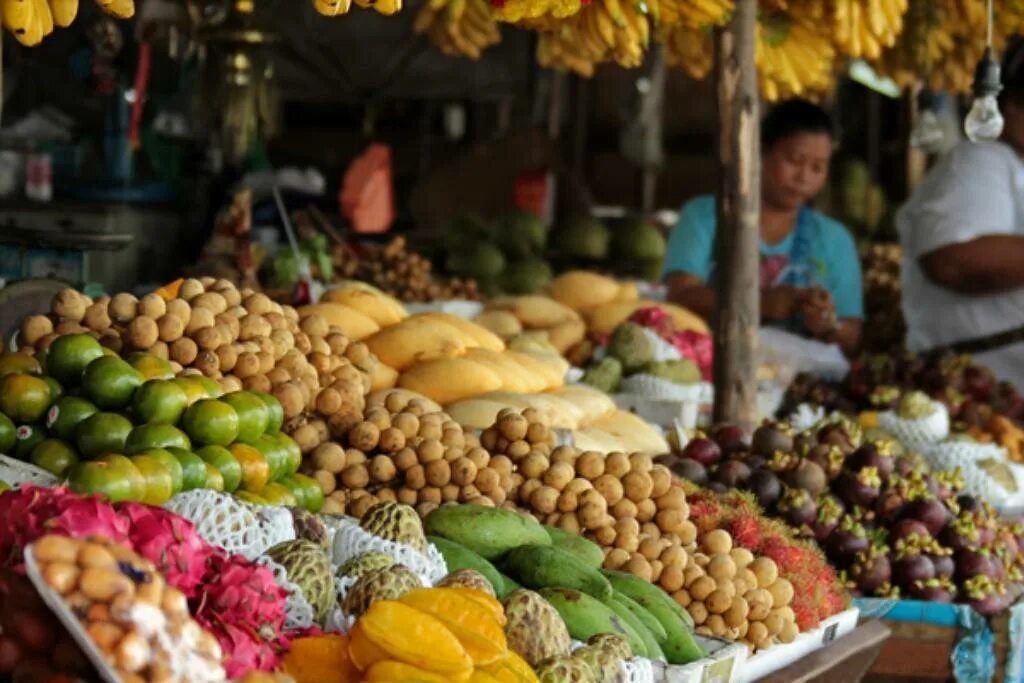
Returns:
<point x="128" y="429"/>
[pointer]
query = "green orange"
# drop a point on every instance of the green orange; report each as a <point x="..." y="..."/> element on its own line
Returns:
<point x="193" y="469"/>
<point x="24" y="398"/>
<point x="64" y="416"/>
<point x="150" y="366"/>
<point x="251" y="498"/>
<point x="102" y="433"/>
<point x="255" y="470"/>
<point x="110" y="382"/>
<point x="214" y="479"/>
<point x="275" y="414"/>
<point x="253" y="414"/>
<point x="159" y="400"/>
<point x="194" y="390"/>
<point x="159" y="481"/>
<point x="27" y="438"/>
<point x="211" y="422"/>
<point x="56" y="390"/>
<point x="156" y="436"/>
<point x="225" y="462"/>
<point x="276" y="455"/>
<point x="211" y="388"/>
<point x="15" y="361"/>
<point x="296" y="490"/>
<point x="114" y="477"/>
<point x="171" y="464"/>
<point x="276" y="494"/>
<point x="54" y="456"/>
<point x="313" y="494"/>
<point x="8" y="435"/>
<point x="291" y="449"/>
<point x="69" y="355"/>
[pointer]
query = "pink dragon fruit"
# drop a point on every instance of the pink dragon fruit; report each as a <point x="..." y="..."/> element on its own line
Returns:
<point x="171" y="543"/>
<point x="696" y="347"/>
<point x="656" y="319"/>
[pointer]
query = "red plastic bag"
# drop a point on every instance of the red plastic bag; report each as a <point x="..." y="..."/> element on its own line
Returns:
<point x="367" y="194"/>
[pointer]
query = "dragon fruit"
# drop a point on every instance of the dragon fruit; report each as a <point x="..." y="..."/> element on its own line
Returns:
<point x="691" y="345"/>
<point x="171" y="543"/>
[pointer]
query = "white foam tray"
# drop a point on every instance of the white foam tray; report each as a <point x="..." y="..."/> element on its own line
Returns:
<point x="774" y="658"/>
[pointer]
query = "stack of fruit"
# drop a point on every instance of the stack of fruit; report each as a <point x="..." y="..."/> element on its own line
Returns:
<point x="504" y="255"/>
<point x="400" y="273"/>
<point x="126" y="429"/>
<point x="891" y="526"/>
<point x="634" y="350"/>
<point x="508" y="317"/>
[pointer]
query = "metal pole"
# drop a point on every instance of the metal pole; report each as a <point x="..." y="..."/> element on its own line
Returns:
<point x="737" y="312"/>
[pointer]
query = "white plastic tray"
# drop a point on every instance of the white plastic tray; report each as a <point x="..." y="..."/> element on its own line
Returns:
<point x="774" y="658"/>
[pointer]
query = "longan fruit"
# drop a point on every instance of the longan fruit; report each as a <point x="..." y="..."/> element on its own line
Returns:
<point x="339" y="343"/>
<point x="674" y="555"/>
<point x="568" y="501"/>
<point x="207" y="338"/>
<point x="544" y="500"/>
<point x="757" y="634"/>
<point x="266" y="362"/>
<point x="326" y="481"/>
<point x="782" y="592"/>
<point x="438" y="472"/>
<point x="212" y="301"/>
<point x="590" y="465"/>
<point x="152" y="306"/>
<point x="774" y="622"/>
<point x="721" y="568"/>
<point x="430" y="450"/>
<point x="110" y="340"/>
<point x="405" y="458"/>
<point x="306" y="437"/>
<point x="564" y="454"/>
<point x="69" y="304"/>
<point x="301" y="342"/>
<point x="382" y="469"/>
<point x="661" y="481"/>
<point x="160" y="350"/>
<point x="35" y="327"/>
<point x="259" y="303"/>
<point x="627" y="534"/>
<point x="669" y="521"/>
<point x="480" y="457"/>
<point x="201" y="317"/>
<point x="453" y="437"/>
<point x="651" y="529"/>
<point x="742" y="557"/>
<point x="190" y="289"/>
<point x="593" y="497"/>
<point x="512" y="426"/>
<point x="638" y="486"/>
<point x="526" y="489"/>
<point x="617" y="465"/>
<point x="534" y="466"/>
<point x="702" y="587"/>
<point x="605" y="536"/>
<point x="184" y="351"/>
<point x="650" y="547"/>
<point x="98" y="319"/>
<point x="463" y="471"/>
<point x="314" y="325"/>
<point x="789" y="632"/>
<point x="365" y="436"/>
<point x="228" y="323"/>
<point x="639" y="566"/>
<point x="687" y="532"/>
<point x="468" y="493"/>
<point x="558" y="475"/>
<point x="359" y="507"/>
<point x="501" y="464"/>
<point x="671" y="579"/>
<point x="407" y="496"/>
<point x="355" y="476"/>
<point x="68" y="327"/>
<point x="328" y="401"/>
<point x="698" y="611"/>
<point x="207" y="363"/>
<point x="673" y="499"/>
<point x="450" y="493"/>
<point x="765" y="570"/>
<point x="716" y="542"/>
<point x="610" y="488"/>
<point x="624" y="509"/>
<point x="682" y="598"/>
<point x="616" y="558"/>
<point x="329" y="457"/>
<point x="488" y="481"/>
<point x="539" y="433"/>
<point x="692" y="572"/>
<point x="391" y="440"/>
<point x="416" y="477"/>
<point x="170" y="328"/>
<point x="180" y="309"/>
<point x="517" y="449"/>
<point x="354" y="456"/>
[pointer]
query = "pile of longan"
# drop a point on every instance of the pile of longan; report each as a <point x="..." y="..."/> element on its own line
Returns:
<point x="402" y="449"/>
<point x="238" y="337"/>
<point x="731" y="594"/>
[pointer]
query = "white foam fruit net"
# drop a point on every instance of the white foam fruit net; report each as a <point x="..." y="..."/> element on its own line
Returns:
<point x="971" y="459"/>
<point x="298" y="613"/>
<point x="351" y="540"/>
<point x="232" y="524"/>
<point x="662" y="350"/>
<point x="15" y="472"/>
<point x="658" y="389"/>
<point x="636" y="670"/>
<point x="917" y="435"/>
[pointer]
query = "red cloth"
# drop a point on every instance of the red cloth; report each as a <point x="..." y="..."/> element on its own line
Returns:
<point x="367" y="192"/>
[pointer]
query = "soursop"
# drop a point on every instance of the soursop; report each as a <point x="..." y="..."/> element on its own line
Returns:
<point x="308" y="567"/>
<point x="632" y="345"/>
<point x="395" y="522"/>
<point x="565" y="670"/>
<point x="467" y="578"/>
<point x="310" y="527"/>
<point x="606" y="666"/>
<point x="605" y="375"/>
<point x="363" y="564"/>
<point x="389" y="583"/>
<point x="535" y="630"/>
<point x="676" y="371"/>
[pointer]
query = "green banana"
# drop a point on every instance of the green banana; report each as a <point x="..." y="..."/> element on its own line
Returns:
<point x="587" y="617"/>
<point x="649" y="622"/>
<point x="544" y="566"/>
<point x="458" y="557"/>
<point x="489" y="532"/>
<point x="583" y="548"/>
<point x="679" y="646"/>
<point x="508" y="585"/>
<point x="620" y="605"/>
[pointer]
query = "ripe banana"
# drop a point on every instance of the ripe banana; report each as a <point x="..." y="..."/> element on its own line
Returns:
<point x="63" y="11"/>
<point x="43" y="15"/>
<point x="17" y="15"/>
<point x="458" y="27"/>
<point x="332" y="8"/>
<point x="121" y="9"/>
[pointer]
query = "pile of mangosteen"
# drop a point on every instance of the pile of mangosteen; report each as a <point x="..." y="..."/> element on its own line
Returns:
<point x="893" y="528"/>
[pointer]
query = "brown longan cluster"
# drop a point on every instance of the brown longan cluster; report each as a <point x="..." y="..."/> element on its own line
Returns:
<point x="732" y="594"/>
<point x="403" y="450"/>
<point x="400" y="273"/>
<point x="239" y="337"/>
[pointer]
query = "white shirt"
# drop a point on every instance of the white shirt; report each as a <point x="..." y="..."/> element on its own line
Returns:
<point x="977" y="190"/>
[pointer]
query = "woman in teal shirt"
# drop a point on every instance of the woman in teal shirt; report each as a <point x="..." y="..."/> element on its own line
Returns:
<point x="810" y="271"/>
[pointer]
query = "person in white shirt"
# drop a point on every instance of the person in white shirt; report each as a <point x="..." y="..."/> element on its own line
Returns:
<point x="962" y="234"/>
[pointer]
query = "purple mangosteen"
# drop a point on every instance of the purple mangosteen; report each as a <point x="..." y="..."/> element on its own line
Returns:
<point x="771" y="437"/>
<point x="859" y="488"/>
<point x="930" y="512"/>
<point x="945" y="567"/>
<point x="870" y="455"/>
<point x="933" y="590"/>
<point x="846" y="541"/>
<point x="870" y="571"/>
<point x="971" y="563"/>
<point x="912" y="568"/>
<point x="691" y="470"/>
<point x="766" y="486"/>
<point x="798" y="507"/>
<point x="733" y="473"/>
<point x="703" y="450"/>
<point x="730" y="439"/>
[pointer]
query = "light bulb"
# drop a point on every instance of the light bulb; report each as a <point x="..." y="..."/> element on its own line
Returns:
<point x="984" y="123"/>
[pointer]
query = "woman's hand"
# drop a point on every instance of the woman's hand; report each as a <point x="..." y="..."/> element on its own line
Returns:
<point x="779" y="303"/>
<point x="818" y="313"/>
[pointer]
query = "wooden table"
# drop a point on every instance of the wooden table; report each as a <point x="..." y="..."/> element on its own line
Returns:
<point x="845" y="660"/>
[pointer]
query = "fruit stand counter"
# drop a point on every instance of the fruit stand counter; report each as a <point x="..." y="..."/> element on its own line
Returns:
<point x="845" y="659"/>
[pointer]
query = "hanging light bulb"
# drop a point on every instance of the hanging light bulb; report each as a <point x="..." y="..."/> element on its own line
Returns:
<point x="984" y="122"/>
<point x="927" y="134"/>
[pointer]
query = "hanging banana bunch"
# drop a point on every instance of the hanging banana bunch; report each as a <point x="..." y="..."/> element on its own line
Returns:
<point x="793" y="58"/>
<point x="332" y="8"/>
<point x="696" y="14"/>
<point x="32" y="20"/>
<point x="692" y="50"/>
<point x="535" y="14"/>
<point x="862" y="28"/>
<point x="459" y="27"/>
<point x="119" y="9"/>
<point x="603" y="31"/>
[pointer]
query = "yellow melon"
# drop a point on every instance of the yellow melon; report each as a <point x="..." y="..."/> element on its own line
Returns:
<point x="447" y="380"/>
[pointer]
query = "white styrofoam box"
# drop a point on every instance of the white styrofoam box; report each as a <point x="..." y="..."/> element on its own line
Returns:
<point x="723" y="664"/>
<point x="779" y="656"/>
<point x="463" y="309"/>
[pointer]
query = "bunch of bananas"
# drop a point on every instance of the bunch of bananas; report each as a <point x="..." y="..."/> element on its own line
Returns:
<point x="528" y="12"/>
<point x="793" y="57"/>
<point x="32" y="20"/>
<point x="694" y="14"/>
<point x="603" y="31"/>
<point x="337" y="8"/>
<point x="692" y="50"/>
<point x="862" y="28"/>
<point x="459" y="27"/>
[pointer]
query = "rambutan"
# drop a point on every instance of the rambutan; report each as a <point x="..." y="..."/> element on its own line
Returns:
<point x="746" y="531"/>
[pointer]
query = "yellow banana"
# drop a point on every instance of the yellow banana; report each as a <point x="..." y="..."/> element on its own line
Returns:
<point x="387" y="7"/>
<point x="63" y="12"/>
<point x="618" y="17"/>
<point x="32" y="34"/>
<point x="332" y="8"/>
<point x="17" y="14"/>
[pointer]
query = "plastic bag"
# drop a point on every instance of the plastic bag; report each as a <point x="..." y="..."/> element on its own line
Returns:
<point x="794" y="354"/>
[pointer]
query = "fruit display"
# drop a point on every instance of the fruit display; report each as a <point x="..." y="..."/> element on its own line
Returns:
<point x="400" y="273"/>
<point x="505" y="255"/>
<point x="894" y="528"/>
<point x="882" y="297"/>
<point x="108" y="587"/>
<point x="129" y="438"/>
<point x="559" y="325"/>
<point x="32" y="20"/>
<point x="459" y="28"/>
<point x="633" y="351"/>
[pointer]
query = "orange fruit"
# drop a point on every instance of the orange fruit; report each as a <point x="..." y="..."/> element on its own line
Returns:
<point x="275" y="411"/>
<point x="8" y="435"/>
<point x="276" y="494"/>
<point x="102" y="433"/>
<point x="159" y="483"/>
<point x="214" y="479"/>
<point x="13" y="362"/>
<point x="253" y="414"/>
<point x="107" y="479"/>
<point x="109" y="382"/>
<point x="150" y="366"/>
<point x="156" y="436"/>
<point x="69" y="355"/>
<point x="222" y="459"/>
<point x="64" y="416"/>
<point x="24" y="398"/>
<point x="255" y="470"/>
<point x="194" y="391"/>
<point x="211" y="422"/>
<point x="54" y="456"/>
<point x="159" y="400"/>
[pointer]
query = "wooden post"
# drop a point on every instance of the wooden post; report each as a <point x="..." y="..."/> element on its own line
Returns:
<point x="737" y="246"/>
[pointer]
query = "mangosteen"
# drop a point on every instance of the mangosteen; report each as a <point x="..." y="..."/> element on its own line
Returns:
<point x="755" y="461"/>
<point x="968" y="503"/>
<point x="848" y="539"/>
<point x="733" y="474"/>
<point x="871" y="570"/>
<point x="836" y="434"/>
<point x="998" y="568"/>
<point x="930" y="512"/>
<point x="771" y="437"/>
<point x="907" y="528"/>
<point x="985" y="596"/>
<point x="703" y="450"/>
<point x="906" y="465"/>
<point x="808" y="476"/>
<point x="691" y="470"/>
<point x="961" y="533"/>
<point x="912" y="568"/>
<point x="804" y="442"/>
<point x="986" y="532"/>
<point x="945" y="567"/>
<point x="830" y="512"/>
<point x="859" y="488"/>
<point x="798" y="507"/>
<point x="971" y="563"/>
<point x="766" y="487"/>
<point x="730" y="439"/>
<point x="889" y="506"/>
<point x="979" y="382"/>
<point x="717" y="487"/>
<point x="870" y="455"/>
<point x="933" y="590"/>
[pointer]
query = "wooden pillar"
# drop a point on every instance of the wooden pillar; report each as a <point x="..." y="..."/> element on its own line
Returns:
<point x="738" y="309"/>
